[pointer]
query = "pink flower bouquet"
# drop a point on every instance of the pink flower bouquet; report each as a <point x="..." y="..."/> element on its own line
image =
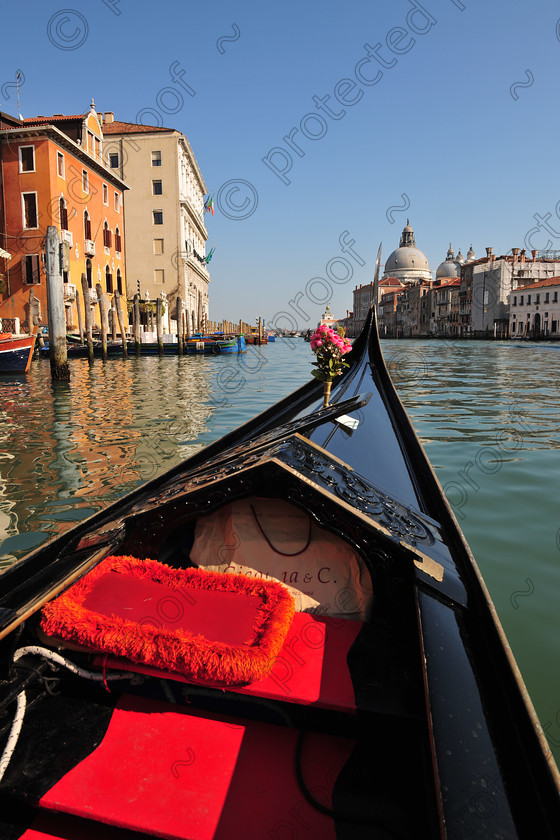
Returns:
<point x="329" y="348"/>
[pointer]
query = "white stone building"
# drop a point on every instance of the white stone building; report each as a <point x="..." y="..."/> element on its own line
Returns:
<point x="166" y="234"/>
<point x="494" y="278"/>
<point x="535" y="310"/>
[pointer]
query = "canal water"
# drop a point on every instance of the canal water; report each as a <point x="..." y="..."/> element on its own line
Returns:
<point x="487" y="414"/>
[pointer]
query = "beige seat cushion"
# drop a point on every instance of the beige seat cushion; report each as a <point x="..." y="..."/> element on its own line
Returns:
<point x="273" y="539"/>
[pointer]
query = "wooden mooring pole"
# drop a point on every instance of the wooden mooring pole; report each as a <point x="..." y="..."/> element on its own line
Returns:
<point x="159" y="326"/>
<point x="55" y="308"/>
<point x="113" y="314"/>
<point x="80" y="316"/>
<point x="136" y="322"/>
<point x="103" y="319"/>
<point x="87" y="317"/>
<point x="118" y="309"/>
<point x="179" y="316"/>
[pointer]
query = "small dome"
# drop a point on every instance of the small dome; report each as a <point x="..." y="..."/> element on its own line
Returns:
<point x="470" y="254"/>
<point x="450" y="267"/>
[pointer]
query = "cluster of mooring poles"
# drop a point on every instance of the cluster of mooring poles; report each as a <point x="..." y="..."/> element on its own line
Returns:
<point x="110" y="316"/>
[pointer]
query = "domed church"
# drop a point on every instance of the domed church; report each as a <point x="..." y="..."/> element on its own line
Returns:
<point x="450" y="267"/>
<point x="408" y="264"/>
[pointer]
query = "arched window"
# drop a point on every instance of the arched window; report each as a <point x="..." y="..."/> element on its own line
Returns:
<point x="119" y="282"/>
<point x="117" y="239"/>
<point x="87" y="225"/>
<point x="107" y="236"/>
<point x="108" y="280"/>
<point x="89" y="274"/>
<point x="63" y="213"/>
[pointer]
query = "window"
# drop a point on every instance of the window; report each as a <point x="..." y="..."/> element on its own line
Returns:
<point x="85" y="181"/>
<point x="60" y="164"/>
<point x="27" y="158"/>
<point x="29" y="204"/>
<point x="554" y="326"/>
<point x="117" y="201"/>
<point x="547" y="297"/>
<point x="114" y="160"/>
<point x="119" y="282"/>
<point x="108" y="281"/>
<point x="158" y="217"/>
<point x="521" y="300"/>
<point x="118" y="246"/>
<point x="87" y="225"/>
<point x="30" y="269"/>
<point x="107" y="236"/>
<point x="105" y="194"/>
<point x="157" y="188"/>
<point x="555" y="297"/>
<point x="528" y="299"/>
<point x="158" y="246"/>
<point x="515" y="300"/>
<point x="159" y="276"/>
<point x="537" y="298"/>
<point x="156" y="158"/>
<point x="63" y="214"/>
<point x="90" y="142"/>
<point x="89" y="274"/>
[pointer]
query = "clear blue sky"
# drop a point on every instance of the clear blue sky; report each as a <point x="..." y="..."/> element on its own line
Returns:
<point x="432" y="123"/>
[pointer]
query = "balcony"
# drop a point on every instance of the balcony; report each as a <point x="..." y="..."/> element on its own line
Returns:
<point x="66" y="236"/>
<point x="69" y="291"/>
<point x="89" y="248"/>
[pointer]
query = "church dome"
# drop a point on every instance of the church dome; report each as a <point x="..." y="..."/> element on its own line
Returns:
<point x="407" y="262"/>
<point x="470" y="254"/>
<point x="406" y="258"/>
<point x="450" y="267"/>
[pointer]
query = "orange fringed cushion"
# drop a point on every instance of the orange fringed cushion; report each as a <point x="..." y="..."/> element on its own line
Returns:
<point x="211" y="627"/>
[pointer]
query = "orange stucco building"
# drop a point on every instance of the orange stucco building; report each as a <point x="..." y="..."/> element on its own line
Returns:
<point x="52" y="173"/>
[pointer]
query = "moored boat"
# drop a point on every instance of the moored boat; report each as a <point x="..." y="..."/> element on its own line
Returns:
<point x="16" y="352"/>
<point x="296" y="639"/>
<point x="194" y="345"/>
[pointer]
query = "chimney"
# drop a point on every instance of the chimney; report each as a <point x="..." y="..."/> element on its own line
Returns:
<point x="522" y="255"/>
<point x="109" y="117"/>
<point x="489" y="254"/>
<point x="534" y="255"/>
<point x="515" y="252"/>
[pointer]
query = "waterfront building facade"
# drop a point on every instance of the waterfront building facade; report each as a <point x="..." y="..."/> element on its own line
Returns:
<point x="535" y="310"/>
<point x="166" y="232"/>
<point x="53" y="173"/>
<point x="493" y="278"/>
<point x="447" y="308"/>
<point x="413" y="311"/>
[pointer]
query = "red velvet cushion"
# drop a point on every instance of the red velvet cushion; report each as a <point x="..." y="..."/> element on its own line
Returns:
<point x="210" y="627"/>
